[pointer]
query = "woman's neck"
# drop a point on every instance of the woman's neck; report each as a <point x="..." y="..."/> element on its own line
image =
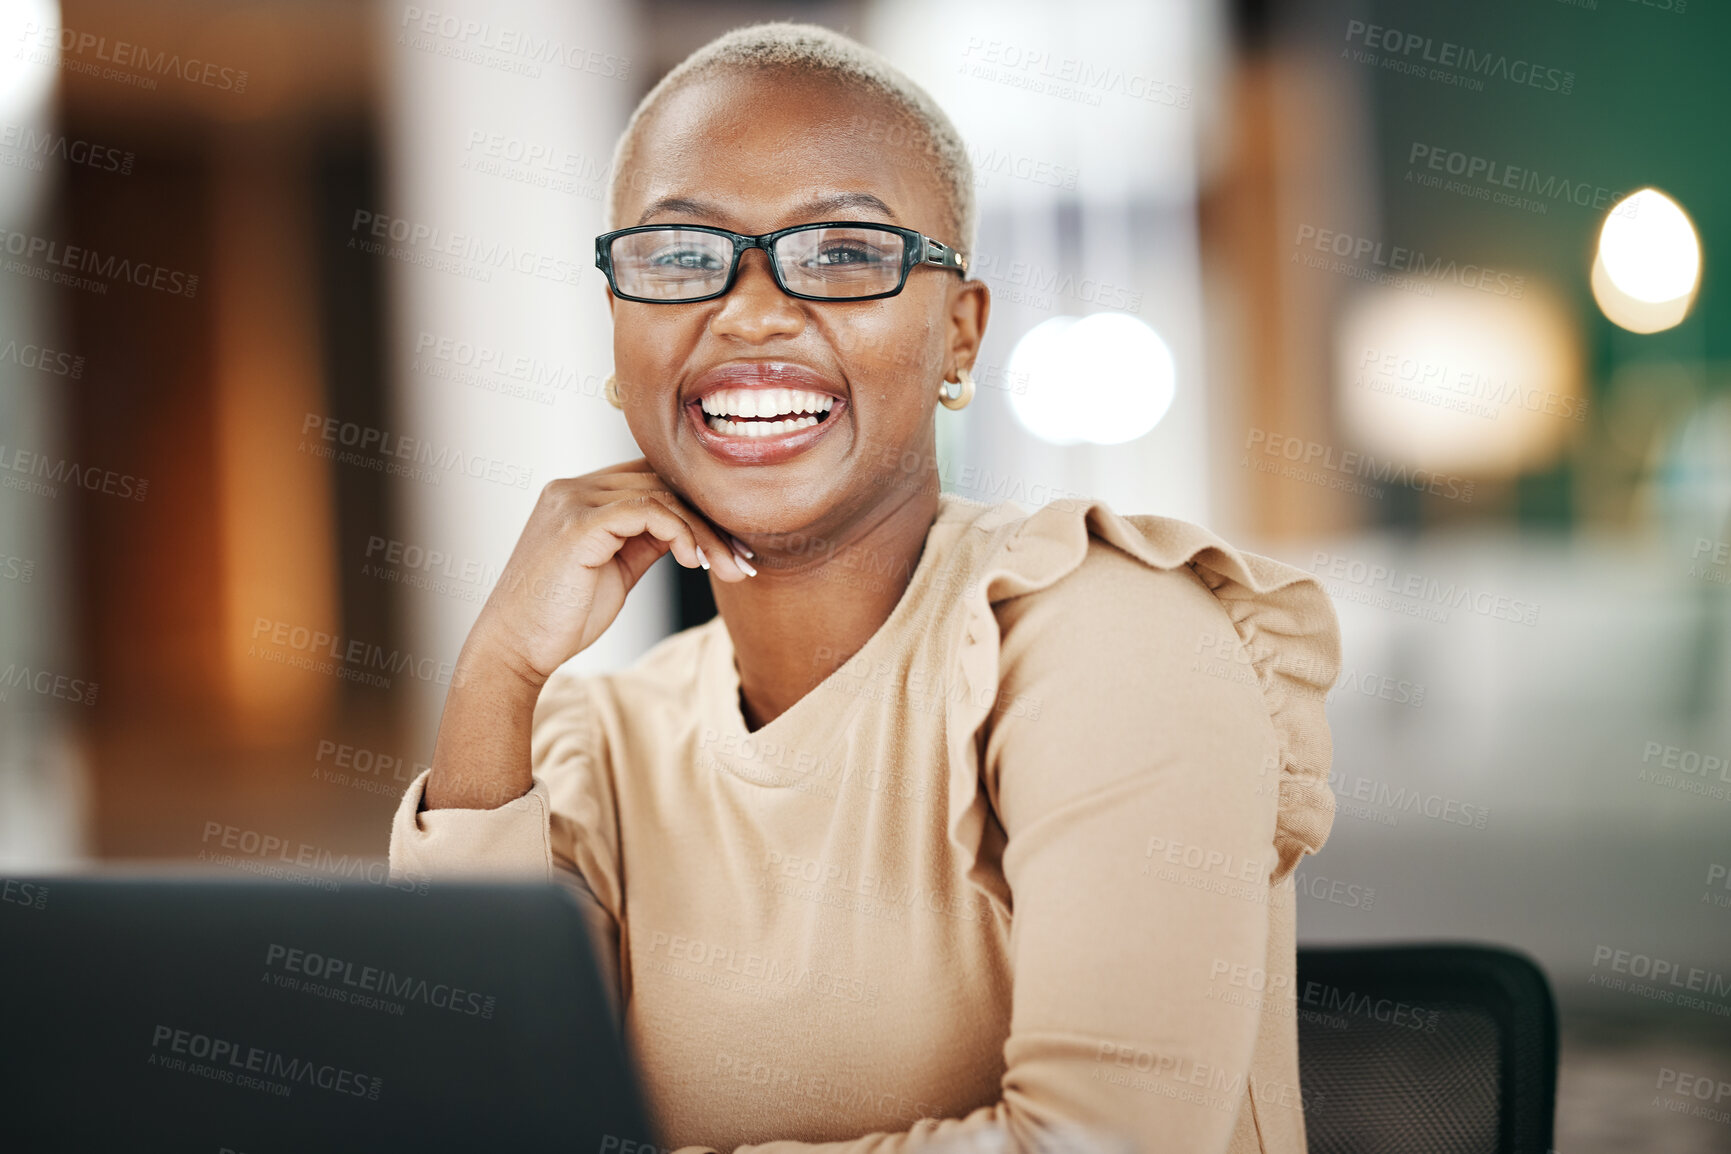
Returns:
<point x="808" y="611"/>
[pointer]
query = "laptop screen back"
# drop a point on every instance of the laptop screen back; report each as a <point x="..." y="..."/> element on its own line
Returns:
<point x="258" y="1017"/>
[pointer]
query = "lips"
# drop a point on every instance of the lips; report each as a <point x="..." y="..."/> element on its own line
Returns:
<point x="743" y="437"/>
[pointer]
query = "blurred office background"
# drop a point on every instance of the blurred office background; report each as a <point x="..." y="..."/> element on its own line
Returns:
<point x="299" y="314"/>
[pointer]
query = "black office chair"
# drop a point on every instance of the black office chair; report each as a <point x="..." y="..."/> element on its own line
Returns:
<point x="1426" y="1050"/>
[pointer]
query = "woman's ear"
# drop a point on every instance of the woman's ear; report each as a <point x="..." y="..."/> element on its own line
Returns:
<point x="970" y="305"/>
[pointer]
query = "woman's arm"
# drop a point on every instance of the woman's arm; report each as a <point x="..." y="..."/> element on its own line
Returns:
<point x="517" y="840"/>
<point x="1140" y="806"/>
<point x="481" y="754"/>
<point x="560" y="829"/>
<point x="480" y="810"/>
<point x="587" y="543"/>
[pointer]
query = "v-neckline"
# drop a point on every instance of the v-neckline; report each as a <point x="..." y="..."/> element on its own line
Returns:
<point x="789" y="747"/>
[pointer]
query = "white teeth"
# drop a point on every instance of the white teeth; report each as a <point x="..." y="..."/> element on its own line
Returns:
<point x="758" y="428"/>
<point x="765" y="402"/>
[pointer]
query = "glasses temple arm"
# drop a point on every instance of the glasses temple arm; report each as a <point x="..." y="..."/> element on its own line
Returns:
<point x="942" y="255"/>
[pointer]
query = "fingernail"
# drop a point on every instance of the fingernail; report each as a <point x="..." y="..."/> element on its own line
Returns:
<point x="744" y="564"/>
<point x="739" y="546"/>
<point x="701" y="557"/>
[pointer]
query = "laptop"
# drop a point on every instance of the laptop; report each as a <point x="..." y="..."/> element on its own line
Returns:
<point x="261" y="1017"/>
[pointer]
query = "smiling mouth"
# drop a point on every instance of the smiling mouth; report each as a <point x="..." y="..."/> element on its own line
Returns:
<point x="753" y="413"/>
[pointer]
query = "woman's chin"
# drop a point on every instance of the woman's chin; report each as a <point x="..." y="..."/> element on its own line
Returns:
<point x="747" y="511"/>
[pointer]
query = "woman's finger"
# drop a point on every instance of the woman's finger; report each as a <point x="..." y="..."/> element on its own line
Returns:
<point x="636" y="516"/>
<point x="715" y="542"/>
<point x="723" y="559"/>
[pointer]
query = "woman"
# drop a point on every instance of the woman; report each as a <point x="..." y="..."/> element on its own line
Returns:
<point x="958" y="823"/>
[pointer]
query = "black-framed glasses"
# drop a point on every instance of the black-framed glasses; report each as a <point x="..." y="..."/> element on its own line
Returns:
<point x="835" y="260"/>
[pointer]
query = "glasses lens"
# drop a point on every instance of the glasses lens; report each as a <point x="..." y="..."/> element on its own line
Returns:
<point x="671" y="264"/>
<point x="840" y="262"/>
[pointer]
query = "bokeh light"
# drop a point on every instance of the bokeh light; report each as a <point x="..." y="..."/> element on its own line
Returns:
<point x="1103" y="379"/>
<point x="1465" y="382"/>
<point x="1648" y="263"/>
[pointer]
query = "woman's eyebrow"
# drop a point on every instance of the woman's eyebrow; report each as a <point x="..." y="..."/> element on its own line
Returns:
<point x="684" y="204"/>
<point x="825" y="205"/>
<point x="819" y="207"/>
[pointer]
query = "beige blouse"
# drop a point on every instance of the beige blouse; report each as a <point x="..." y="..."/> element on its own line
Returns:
<point x="1017" y="876"/>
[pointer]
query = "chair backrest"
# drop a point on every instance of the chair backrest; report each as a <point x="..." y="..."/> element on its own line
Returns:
<point x="1443" y="1049"/>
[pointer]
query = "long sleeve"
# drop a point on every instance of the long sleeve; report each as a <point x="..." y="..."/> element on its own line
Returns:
<point x="563" y="830"/>
<point x="1137" y="790"/>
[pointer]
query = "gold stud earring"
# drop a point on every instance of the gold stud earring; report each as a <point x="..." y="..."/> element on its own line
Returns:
<point x="610" y="390"/>
<point x="962" y="396"/>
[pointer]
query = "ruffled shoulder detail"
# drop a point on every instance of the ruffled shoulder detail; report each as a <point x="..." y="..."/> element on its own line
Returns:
<point x="1283" y="617"/>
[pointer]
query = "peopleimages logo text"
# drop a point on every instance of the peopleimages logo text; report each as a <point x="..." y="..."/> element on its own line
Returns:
<point x="227" y="1058"/>
<point x="368" y="439"/>
<point x="1502" y="175"/>
<point x="1452" y="594"/>
<point x="72" y="42"/>
<point x="1398" y="258"/>
<point x="1656" y="970"/>
<point x="478" y="251"/>
<point x="352" y="655"/>
<point x="527" y="46"/>
<point x="379" y="980"/>
<point x="35" y="143"/>
<point x="1355" y="464"/>
<point x="1447" y="54"/>
<point x="105" y="267"/>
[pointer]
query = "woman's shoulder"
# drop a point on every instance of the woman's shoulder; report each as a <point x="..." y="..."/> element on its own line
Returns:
<point x="1079" y="549"/>
<point x="1031" y="549"/>
<point x="1073" y="570"/>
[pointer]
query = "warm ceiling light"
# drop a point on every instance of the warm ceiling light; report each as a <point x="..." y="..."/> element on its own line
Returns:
<point x="1648" y="263"/>
<point x="1464" y="383"/>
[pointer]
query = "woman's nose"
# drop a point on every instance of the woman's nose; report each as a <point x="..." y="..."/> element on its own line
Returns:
<point x="755" y="309"/>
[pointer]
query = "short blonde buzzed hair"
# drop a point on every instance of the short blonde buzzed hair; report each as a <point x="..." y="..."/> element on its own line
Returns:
<point x="814" y="51"/>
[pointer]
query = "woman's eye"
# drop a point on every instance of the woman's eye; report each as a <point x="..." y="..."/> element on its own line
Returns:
<point x="692" y="259"/>
<point x="845" y="253"/>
